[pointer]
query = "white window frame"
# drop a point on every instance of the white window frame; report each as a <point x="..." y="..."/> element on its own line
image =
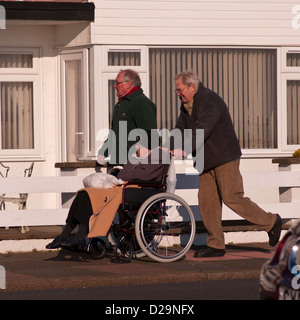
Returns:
<point x="287" y="73"/>
<point x="71" y="55"/>
<point x="285" y="78"/>
<point x="143" y="52"/>
<point x="260" y="153"/>
<point x="26" y="75"/>
<point x="284" y="52"/>
<point x="20" y="50"/>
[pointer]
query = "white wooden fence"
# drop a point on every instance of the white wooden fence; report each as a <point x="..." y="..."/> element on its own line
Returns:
<point x="274" y="180"/>
<point x="38" y="216"/>
<point x="66" y="184"/>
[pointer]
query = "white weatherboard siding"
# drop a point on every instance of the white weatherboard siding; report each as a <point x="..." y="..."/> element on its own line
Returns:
<point x="197" y="22"/>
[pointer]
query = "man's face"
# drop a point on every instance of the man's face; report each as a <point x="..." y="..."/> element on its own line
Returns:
<point x="122" y="87"/>
<point x="184" y="92"/>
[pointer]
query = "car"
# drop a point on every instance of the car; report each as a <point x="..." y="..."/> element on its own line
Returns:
<point x="280" y="276"/>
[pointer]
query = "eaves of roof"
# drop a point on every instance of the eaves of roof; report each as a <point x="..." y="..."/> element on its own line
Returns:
<point x="59" y="11"/>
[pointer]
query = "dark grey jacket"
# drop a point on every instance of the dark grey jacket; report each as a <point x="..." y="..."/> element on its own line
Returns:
<point x="211" y="114"/>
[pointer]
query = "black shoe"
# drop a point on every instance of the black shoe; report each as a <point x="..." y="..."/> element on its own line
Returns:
<point x="56" y="243"/>
<point x="274" y="233"/>
<point x="74" y="243"/>
<point x="209" y="252"/>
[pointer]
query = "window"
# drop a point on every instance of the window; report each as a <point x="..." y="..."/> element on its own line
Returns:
<point x="75" y="108"/>
<point x="290" y="99"/>
<point x="261" y="87"/>
<point x="245" y="78"/>
<point x="20" y="103"/>
<point x="16" y="60"/>
<point x="293" y="112"/>
<point x="293" y="59"/>
<point x="125" y="58"/>
<point x="116" y="58"/>
<point x="112" y="98"/>
<point x="17" y="115"/>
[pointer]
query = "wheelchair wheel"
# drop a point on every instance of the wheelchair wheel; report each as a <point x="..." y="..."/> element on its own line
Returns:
<point x="120" y="236"/>
<point x="165" y="227"/>
<point x="96" y="248"/>
<point x="123" y="251"/>
<point x="137" y="251"/>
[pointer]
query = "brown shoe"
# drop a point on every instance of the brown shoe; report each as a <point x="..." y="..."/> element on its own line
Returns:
<point x="209" y="252"/>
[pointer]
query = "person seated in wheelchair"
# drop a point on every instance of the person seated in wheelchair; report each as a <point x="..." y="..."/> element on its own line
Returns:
<point x="93" y="209"/>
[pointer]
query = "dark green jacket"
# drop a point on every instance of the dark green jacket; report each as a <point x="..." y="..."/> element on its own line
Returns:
<point x="135" y="111"/>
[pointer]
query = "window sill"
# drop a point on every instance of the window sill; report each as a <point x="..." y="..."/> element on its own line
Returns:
<point x="78" y="164"/>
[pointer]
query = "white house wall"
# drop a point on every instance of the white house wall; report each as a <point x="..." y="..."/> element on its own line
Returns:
<point x="72" y="34"/>
<point x="197" y="22"/>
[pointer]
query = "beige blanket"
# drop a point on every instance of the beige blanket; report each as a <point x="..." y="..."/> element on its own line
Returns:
<point x="105" y="203"/>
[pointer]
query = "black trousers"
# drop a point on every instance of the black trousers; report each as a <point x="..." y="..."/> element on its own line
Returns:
<point x="80" y="210"/>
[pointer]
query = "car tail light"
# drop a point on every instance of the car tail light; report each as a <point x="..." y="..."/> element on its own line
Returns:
<point x="294" y="257"/>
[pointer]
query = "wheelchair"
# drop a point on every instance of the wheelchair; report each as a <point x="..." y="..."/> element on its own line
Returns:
<point x="152" y="222"/>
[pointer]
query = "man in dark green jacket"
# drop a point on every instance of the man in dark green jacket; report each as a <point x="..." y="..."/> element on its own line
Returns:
<point x="221" y="180"/>
<point x="133" y="111"/>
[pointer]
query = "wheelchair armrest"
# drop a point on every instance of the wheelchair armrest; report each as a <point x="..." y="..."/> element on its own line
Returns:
<point x="144" y="182"/>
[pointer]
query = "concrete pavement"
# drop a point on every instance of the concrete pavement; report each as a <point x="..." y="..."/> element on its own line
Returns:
<point x="65" y="269"/>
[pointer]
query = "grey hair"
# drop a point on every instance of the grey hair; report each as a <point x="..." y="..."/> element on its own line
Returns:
<point x="188" y="78"/>
<point x="132" y="76"/>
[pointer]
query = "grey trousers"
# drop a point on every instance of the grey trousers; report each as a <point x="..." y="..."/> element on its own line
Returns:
<point x="225" y="183"/>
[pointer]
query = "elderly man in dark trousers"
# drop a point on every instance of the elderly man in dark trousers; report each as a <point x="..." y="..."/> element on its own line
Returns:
<point x="221" y="179"/>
